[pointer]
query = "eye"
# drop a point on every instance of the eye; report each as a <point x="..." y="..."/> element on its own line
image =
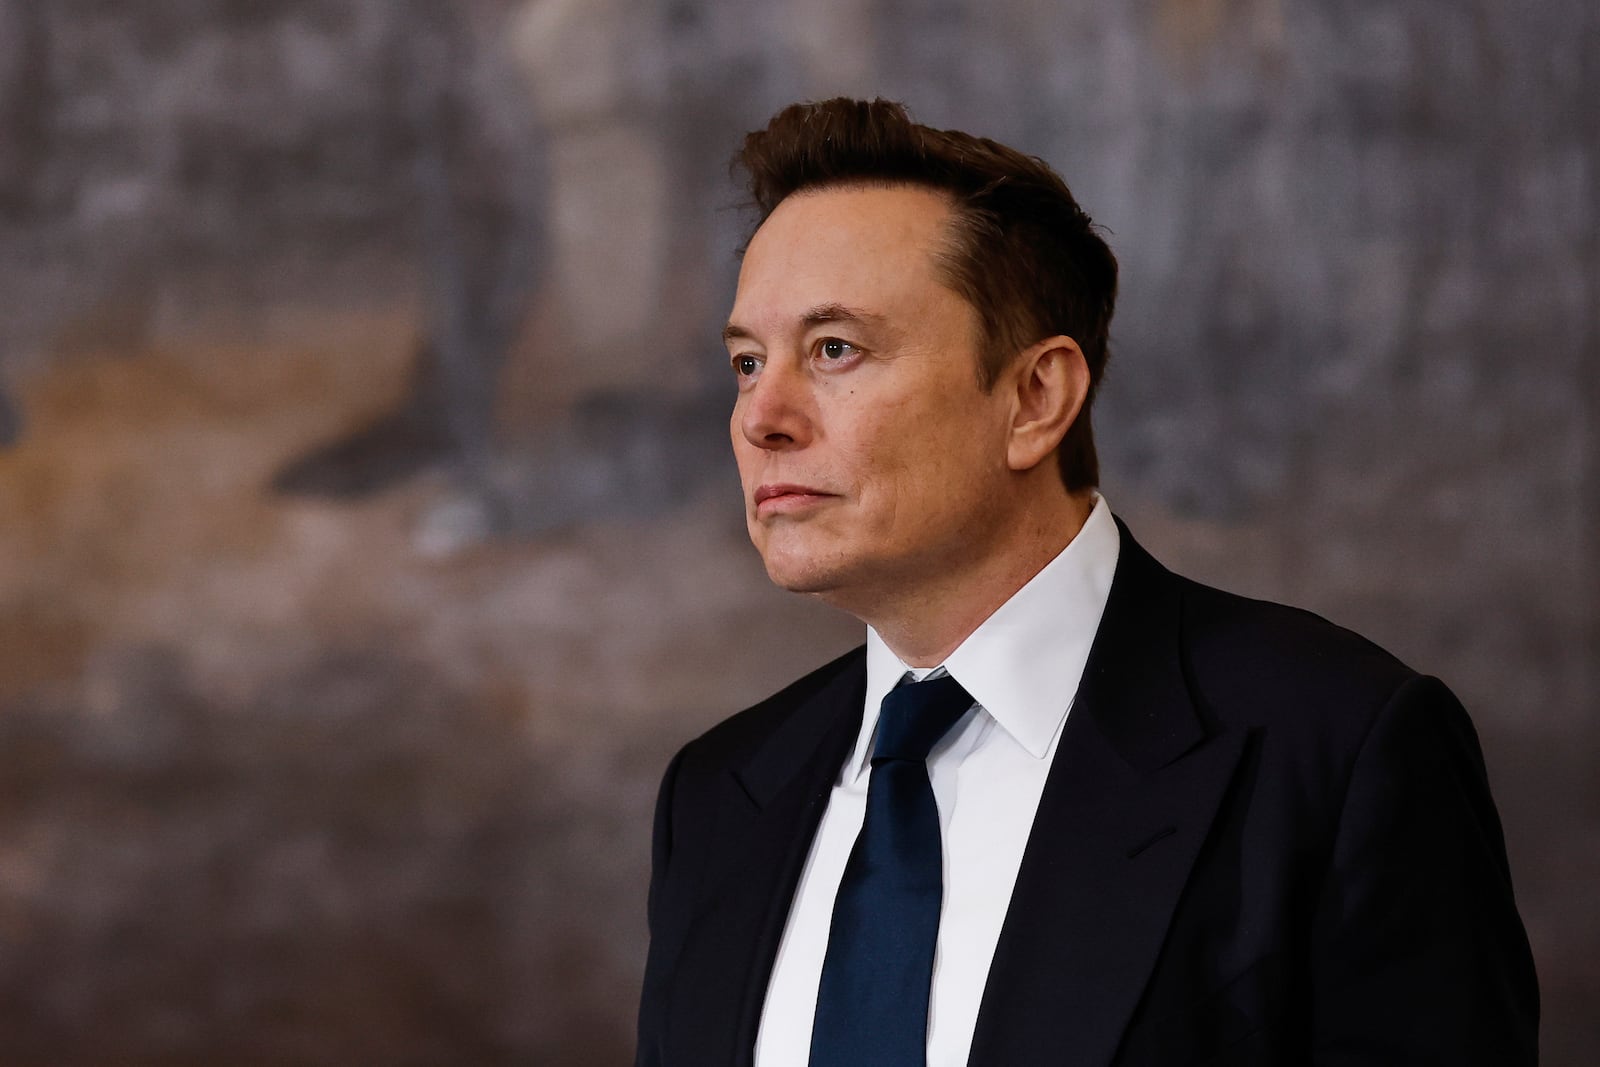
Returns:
<point x="745" y="365"/>
<point x="833" y="349"/>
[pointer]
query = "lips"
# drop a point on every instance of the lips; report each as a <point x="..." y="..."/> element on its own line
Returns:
<point x="784" y="496"/>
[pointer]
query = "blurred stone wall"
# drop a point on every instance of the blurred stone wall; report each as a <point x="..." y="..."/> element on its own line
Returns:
<point x="366" y="538"/>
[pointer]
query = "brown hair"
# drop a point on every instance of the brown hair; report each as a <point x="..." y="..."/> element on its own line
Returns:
<point x="1022" y="252"/>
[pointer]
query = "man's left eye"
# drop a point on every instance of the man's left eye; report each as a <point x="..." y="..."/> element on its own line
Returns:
<point x="834" y="349"/>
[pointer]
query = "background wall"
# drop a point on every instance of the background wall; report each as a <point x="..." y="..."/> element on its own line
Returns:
<point x="367" y="541"/>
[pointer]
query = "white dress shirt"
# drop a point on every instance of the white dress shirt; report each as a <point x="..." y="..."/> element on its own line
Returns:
<point x="1022" y="667"/>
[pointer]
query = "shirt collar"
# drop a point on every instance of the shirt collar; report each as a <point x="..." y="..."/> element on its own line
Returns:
<point x="1024" y="662"/>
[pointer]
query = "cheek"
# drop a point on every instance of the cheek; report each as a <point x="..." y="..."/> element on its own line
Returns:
<point x="897" y="485"/>
<point x="943" y="464"/>
<point x="870" y="452"/>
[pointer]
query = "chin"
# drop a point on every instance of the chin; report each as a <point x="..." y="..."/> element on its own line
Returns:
<point x="797" y="577"/>
<point x="799" y="571"/>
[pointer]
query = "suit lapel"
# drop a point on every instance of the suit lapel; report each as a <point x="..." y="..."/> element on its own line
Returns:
<point x="1135" y="785"/>
<point x="767" y="816"/>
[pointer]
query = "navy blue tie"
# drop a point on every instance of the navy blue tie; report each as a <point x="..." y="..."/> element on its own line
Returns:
<point x="872" y="1004"/>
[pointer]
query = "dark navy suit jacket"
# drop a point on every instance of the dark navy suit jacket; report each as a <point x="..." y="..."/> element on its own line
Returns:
<point x="1263" y="841"/>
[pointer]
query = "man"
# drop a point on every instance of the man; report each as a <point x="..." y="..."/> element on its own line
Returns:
<point x="1064" y="806"/>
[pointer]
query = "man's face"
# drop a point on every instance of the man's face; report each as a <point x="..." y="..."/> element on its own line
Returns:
<point x="870" y="458"/>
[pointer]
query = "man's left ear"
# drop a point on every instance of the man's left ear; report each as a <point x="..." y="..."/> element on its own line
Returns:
<point x="1051" y="382"/>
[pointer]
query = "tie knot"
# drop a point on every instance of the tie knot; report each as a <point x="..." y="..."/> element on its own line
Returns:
<point x="914" y="717"/>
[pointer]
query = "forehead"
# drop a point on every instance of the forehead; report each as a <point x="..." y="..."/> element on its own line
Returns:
<point x="851" y="245"/>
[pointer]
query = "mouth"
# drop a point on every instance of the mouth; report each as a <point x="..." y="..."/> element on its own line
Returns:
<point x="783" y="498"/>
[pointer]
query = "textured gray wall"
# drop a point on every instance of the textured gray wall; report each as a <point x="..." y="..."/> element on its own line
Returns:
<point x="366" y="537"/>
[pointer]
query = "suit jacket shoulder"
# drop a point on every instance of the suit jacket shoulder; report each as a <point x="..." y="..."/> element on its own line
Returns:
<point x="742" y="735"/>
<point x="1246" y="651"/>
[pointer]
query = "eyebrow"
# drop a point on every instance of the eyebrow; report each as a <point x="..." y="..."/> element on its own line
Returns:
<point x="820" y="315"/>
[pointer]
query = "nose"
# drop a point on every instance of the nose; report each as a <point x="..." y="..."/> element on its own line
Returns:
<point x="775" y="413"/>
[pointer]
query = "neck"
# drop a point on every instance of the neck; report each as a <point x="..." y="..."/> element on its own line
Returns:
<point x="923" y="625"/>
